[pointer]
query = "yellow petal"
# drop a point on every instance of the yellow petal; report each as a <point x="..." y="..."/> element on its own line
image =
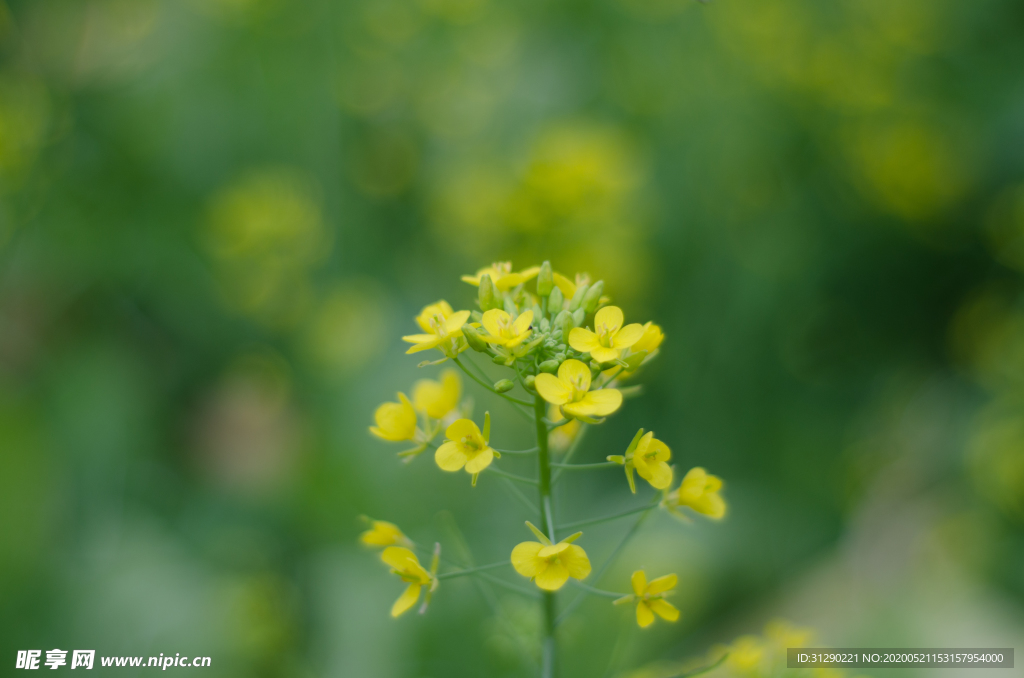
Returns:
<point x="567" y="286"/>
<point x="553" y="550"/>
<point x="552" y="389"/>
<point x="576" y="562"/>
<point x="693" y="485"/>
<point x="644" y="616"/>
<point x="552" y="577"/>
<point x="711" y="505"/>
<point x="453" y="325"/>
<point x="596" y="403"/>
<point x="396" y="421"/>
<point x="573" y="372"/>
<point x="662" y="584"/>
<point x="665" y="609"/>
<point x="628" y="335"/>
<point x="525" y="560"/>
<point x="494" y="320"/>
<point x="449" y="457"/>
<point x="429" y="312"/>
<point x="480" y="461"/>
<point x="658" y="474"/>
<point x="639" y="582"/>
<point x="583" y="340"/>
<point x="712" y="483"/>
<point x="603" y="354"/>
<point x="419" y="338"/>
<point x="382" y="534"/>
<point x="463" y="428"/>
<point x="657" y="451"/>
<point x="522" y="322"/>
<point x="406" y="600"/>
<point x="426" y="345"/>
<point x="398" y="557"/>
<point x="651" y="338"/>
<point x="609" y="316"/>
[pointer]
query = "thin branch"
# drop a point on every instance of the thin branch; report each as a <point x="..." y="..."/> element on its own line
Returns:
<point x="597" y="592"/>
<point x="510" y="586"/>
<point x="489" y="387"/>
<point x="518" y="494"/>
<point x="473" y="570"/>
<point x="614" y="516"/>
<point x="510" y="476"/>
<point x="532" y="450"/>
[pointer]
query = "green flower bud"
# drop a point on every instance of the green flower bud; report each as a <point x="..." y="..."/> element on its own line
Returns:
<point x="577" y="298"/>
<point x="498" y="359"/>
<point x="549" y="366"/>
<point x="510" y="306"/>
<point x="488" y="294"/>
<point x="504" y="385"/>
<point x="593" y="297"/>
<point x="564" y="322"/>
<point x="529" y="381"/>
<point x="473" y="338"/>
<point x="545" y="280"/>
<point x="555" y="301"/>
<point x="577" y="318"/>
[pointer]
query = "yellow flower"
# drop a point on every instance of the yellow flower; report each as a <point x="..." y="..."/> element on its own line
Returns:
<point x="443" y="330"/>
<point x="466" y="447"/>
<point x="502" y="275"/>
<point x="650" y="340"/>
<point x="745" y="653"/>
<point x="568" y="287"/>
<point x="650" y="460"/>
<point x="383" y="533"/>
<point x="504" y="331"/>
<point x="406" y="565"/>
<point x="571" y="390"/>
<point x="561" y="438"/>
<point x="395" y="421"/>
<point x="438" y="398"/>
<point x="609" y="337"/>
<point x="650" y="598"/>
<point x="549" y="565"/>
<point x="699" y="491"/>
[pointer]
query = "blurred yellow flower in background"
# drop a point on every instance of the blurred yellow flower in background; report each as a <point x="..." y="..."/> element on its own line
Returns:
<point x="502" y="276"/>
<point x="438" y="398"/>
<point x="443" y="328"/>
<point x="571" y="391"/>
<point x="382" y="534"/>
<point x="406" y="565"/>
<point x="563" y="436"/>
<point x="395" y="421"/>
<point x="698" y="491"/>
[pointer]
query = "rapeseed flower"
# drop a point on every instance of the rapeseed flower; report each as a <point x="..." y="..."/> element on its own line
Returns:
<point x="395" y="421"/>
<point x="571" y="391"/>
<point x="406" y="565"/>
<point x="466" y="447"/>
<point x="442" y="330"/>
<point x="649" y="457"/>
<point x="650" y="598"/>
<point x="609" y="338"/>
<point x="549" y="565"/>
<point x="502" y="276"/>
<point x="438" y="397"/>
<point x="699" y="490"/>
<point x="650" y="340"/>
<point x="382" y="534"/>
<point x="502" y="330"/>
<point x="562" y="437"/>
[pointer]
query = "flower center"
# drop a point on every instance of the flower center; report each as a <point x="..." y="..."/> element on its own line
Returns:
<point x="437" y="324"/>
<point x="579" y="389"/>
<point x="605" y="335"/>
<point x="470" y="445"/>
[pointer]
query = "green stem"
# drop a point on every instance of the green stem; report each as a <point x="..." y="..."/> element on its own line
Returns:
<point x="472" y="570"/>
<point x="532" y="450"/>
<point x="514" y="401"/>
<point x="615" y="516"/>
<point x="596" y="592"/>
<point x="547" y="525"/>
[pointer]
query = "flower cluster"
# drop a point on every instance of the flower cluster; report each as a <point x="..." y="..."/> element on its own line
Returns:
<point x="568" y="354"/>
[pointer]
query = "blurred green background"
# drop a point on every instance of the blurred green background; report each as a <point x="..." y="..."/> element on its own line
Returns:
<point x="217" y="218"/>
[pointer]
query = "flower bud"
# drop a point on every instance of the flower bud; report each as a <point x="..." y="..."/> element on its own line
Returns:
<point x="577" y="317"/>
<point x="577" y="298"/>
<point x="488" y="294"/>
<point x="549" y="366"/>
<point x="498" y="359"/>
<point x="528" y="382"/>
<point x="473" y="338"/>
<point x="555" y="301"/>
<point x="564" y="322"/>
<point x="504" y="385"/>
<point x="510" y="306"/>
<point x="593" y="297"/>
<point x="545" y="280"/>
